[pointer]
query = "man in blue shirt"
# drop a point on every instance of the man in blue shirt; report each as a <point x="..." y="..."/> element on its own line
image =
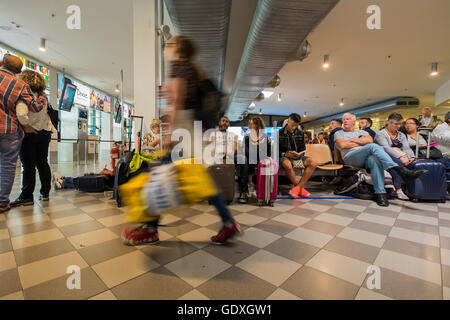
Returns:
<point x="366" y="124"/>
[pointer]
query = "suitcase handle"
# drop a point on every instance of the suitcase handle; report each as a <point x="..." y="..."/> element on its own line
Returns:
<point x="428" y="130"/>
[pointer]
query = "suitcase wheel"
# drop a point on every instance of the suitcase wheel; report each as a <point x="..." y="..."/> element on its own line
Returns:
<point x="260" y="203"/>
<point x="443" y="200"/>
<point x="271" y="203"/>
<point x="415" y="200"/>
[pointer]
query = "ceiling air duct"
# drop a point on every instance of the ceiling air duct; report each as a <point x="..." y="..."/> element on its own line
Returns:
<point x="277" y="35"/>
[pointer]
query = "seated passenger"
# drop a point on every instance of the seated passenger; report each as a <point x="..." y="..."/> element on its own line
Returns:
<point x="225" y="142"/>
<point x="357" y="149"/>
<point x="152" y="139"/>
<point x="396" y="145"/>
<point x="320" y="139"/>
<point x="335" y="126"/>
<point x="291" y="142"/>
<point x="427" y="119"/>
<point x="252" y="142"/>
<point x="412" y="134"/>
<point x="366" y="125"/>
<point x="441" y="134"/>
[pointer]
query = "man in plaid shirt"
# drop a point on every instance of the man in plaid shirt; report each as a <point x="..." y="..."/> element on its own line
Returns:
<point x="12" y="90"/>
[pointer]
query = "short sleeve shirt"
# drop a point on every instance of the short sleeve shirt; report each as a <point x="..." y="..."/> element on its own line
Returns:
<point x="186" y="70"/>
<point x="348" y="135"/>
<point x="224" y="143"/>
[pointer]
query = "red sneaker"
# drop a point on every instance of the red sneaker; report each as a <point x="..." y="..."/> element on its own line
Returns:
<point x="139" y="236"/>
<point x="227" y="233"/>
<point x="294" y="192"/>
<point x="304" y="193"/>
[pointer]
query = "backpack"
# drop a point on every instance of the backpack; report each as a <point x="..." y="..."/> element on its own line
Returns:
<point x="211" y="104"/>
<point x="360" y="185"/>
<point x="53" y="115"/>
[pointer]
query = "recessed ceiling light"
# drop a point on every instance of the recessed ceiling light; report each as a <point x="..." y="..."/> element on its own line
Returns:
<point x="342" y="102"/>
<point x="434" y="69"/>
<point x="117" y="89"/>
<point x="279" y="97"/>
<point x="326" y="61"/>
<point x="267" y="93"/>
<point x="42" y="47"/>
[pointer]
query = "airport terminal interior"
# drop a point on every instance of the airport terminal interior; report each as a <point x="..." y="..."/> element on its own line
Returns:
<point x="108" y="72"/>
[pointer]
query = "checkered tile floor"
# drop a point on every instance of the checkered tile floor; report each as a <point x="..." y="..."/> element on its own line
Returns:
<point x="302" y="249"/>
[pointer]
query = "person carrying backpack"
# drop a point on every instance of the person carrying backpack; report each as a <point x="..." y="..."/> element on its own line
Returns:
<point x="190" y="96"/>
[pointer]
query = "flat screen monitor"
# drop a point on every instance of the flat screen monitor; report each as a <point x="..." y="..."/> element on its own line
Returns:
<point x="118" y="118"/>
<point x="82" y="113"/>
<point x="67" y="97"/>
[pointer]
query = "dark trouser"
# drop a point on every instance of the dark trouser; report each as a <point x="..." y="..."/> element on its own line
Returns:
<point x="244" y="170"/>
<point x="217" y="201"/>
<point x="34" y="154"/>
<point x="396" y="179"/>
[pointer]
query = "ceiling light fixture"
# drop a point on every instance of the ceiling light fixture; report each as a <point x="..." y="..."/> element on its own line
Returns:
<point x="252" y="106"/>
<point x="42" y="47"/>
<point x="117" y="89"/>
<point x="342" y="102"/>
<point x="326" y="61"/>
<point x="267" y="93"/>
<point x="260" y="112"/>
<point x="279" y="97"/>
<point x="434" y="69"/>
<point x="304" y="115"/>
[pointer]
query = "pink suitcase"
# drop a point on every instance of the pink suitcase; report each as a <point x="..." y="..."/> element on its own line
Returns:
<point x="267" y="182"/>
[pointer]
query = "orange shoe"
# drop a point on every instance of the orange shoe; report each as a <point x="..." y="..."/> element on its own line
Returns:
<point x="304" y="193"/>
<point x="294" y="192"/>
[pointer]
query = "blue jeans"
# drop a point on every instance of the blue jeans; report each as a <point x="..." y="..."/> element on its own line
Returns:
<point x="374" y="157"/>
<point x="10" y="144"/>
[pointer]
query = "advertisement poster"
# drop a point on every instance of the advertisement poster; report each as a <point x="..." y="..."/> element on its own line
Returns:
<point x="100" y="102"/>
<point x="117" y="111"/>
<point x="82" y="95"/>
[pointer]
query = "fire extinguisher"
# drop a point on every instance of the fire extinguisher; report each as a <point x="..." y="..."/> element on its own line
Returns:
<point x="115" y="155"/>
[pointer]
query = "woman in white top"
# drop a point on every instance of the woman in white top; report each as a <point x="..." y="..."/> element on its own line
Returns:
<point x="35" y="144"/>
<point x="411" y="126"/>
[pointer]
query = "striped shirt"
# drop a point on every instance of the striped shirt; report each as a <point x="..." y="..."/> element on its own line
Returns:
<point x="13" y="90"/>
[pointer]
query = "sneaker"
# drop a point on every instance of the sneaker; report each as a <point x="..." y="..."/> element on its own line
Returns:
<point x="20" y="202"/>
<point x="139" y="236"/>
<point x="294" y="192"/>
<point x="43" y="198"/>
<point x="243" y="198"/>
<point x="304" y="193"/>
<point x="4" y="208"/>
<point x="226" y="233"/>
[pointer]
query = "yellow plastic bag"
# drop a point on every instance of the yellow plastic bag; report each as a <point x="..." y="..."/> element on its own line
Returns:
<point x="195" y="182"/>
<point x="131" y="196"/>
<point x="146" y="199"/>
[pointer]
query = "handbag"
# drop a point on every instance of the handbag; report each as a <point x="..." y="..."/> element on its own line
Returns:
<point x="435" y="153"/>
<point x="400" y="152"/>
<point x="53" y="115"/>
<point x="298" y="163"/>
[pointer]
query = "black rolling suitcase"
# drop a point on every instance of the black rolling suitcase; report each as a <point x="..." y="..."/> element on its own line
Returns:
<point x="223" y="175"/>
<point x="90" y="183"/>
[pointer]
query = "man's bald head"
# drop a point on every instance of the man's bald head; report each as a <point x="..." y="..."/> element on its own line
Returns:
<point x="13" y="64"/>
